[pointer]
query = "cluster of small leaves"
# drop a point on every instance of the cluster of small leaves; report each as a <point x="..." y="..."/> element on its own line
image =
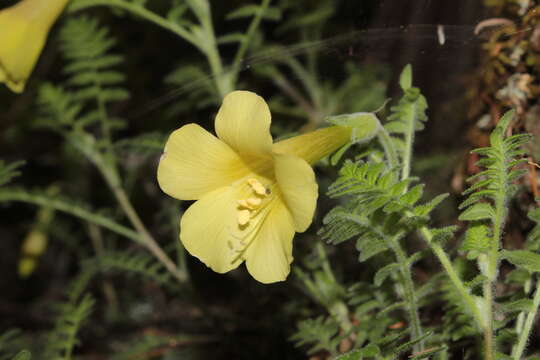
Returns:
<point x="10" y="342"/>
<point x="140" y="264"/>
<point x="458" y="324"/>
<point x="66" y="204"/>
<point x="377" y="207"/>
<point x="321" y="333"/>
<point x="9" y="171"/>
<point x="92" y="83"/>
<point x="409" y="112"/>
<point x="64" y="337"/>
<point x="492" y="187"/>
<point x="191" y="80"/>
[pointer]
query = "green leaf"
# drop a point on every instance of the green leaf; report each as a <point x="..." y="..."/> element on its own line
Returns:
<point x="479" y="211"/>
<point x="426" y="354"/>
<point x="506" y="119"/>
<point x="443" y="234"/>
<point x="383" y="273"/>
<point x="518" y="306"/>
<point x="523" y="259"/>
<point x="231" y="38"/>
<point x="405" y="79"/>
<point x="365" y="125"/>
<point x="23" y="355"/>
<point x="271" y="13"/>
<point x="476" y="241"/>
<point x="353" y="355"/>
<point x="413" y="195"/>
<point x="334" y="159"/>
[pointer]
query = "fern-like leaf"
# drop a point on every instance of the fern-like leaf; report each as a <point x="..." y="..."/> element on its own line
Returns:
<point x="63" y="339"/>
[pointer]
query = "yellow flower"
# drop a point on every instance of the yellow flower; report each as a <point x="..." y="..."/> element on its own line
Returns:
<point x="24" y="27"/>
<point x="252" y="195"/>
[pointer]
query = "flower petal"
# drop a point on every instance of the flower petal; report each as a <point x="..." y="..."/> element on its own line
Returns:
<point x="208" y="230"/>
<point x="25" y="27"/>
<point x="195" y="162"/>
<point x="269" y="255"/>
<point x="299" y="189"/>
<point x="243" y="122"/>
<point x="315" y="145"/>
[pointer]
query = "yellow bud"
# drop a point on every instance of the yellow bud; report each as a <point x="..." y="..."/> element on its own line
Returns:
<point x="35" y="243"/>
<point x="27" y="266"/>
<point x="25" y="27"/>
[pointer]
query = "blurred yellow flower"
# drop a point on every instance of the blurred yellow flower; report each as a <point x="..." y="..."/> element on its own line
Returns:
<point x="24" y="27"/>
<point x="252" y="194"/>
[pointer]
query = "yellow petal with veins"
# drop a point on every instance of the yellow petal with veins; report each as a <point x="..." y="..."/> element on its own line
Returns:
<point x="243" y="122"/>
<point x="269" y="255"/>
<point x="24" y="29"/>
<point x="299" y="188"/>
<point x="208" y="230"/>
<point x="315" y="145"/>
<point x="195" y="163"/>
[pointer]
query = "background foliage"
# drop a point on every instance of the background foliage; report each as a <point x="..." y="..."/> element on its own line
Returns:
<point x="82" y="215"/>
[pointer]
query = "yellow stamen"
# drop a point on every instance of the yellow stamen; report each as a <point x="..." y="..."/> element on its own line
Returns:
<point x="243" y="217"/>
<point x="257" y="186"/>
<point x="253" y="202"/>
<point x="243" y="203"/>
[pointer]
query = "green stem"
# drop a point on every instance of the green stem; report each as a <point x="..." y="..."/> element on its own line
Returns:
<point x="405" y="269"/>
<point x="110" y="174"/>
<point x="524" y="335"/>
<point x="492" y="269"/>
<point x="488" y="328"/>
<point x="208" y="48"/>
<point x="409" y="142"/>
<point x="388" y="146"/>
<point x="453" y="275"/>
<point x="148" y="240"/>
<point x="141" y="12"/>
<point x="409" y="294"/>
<point x="77" y="211"/>
<point x="247" y="39"/>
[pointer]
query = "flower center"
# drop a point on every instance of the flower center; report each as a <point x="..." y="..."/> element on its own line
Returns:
<point x="247" y="208"/>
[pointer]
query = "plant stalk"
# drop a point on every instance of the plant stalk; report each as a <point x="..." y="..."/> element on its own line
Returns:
<point x="247" y="39"/>
<point x="529" y="321"/>
<point x="453" y="275"/>
<point x="410" y="295"/>
<point x="149" y="241"/>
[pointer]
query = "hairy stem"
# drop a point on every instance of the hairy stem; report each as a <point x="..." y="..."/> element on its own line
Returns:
<point x="409" y="142"/>
<point x="409" y="294"/>
<point x="492" y="269"/>
<point x="68" y="208"/>
<point x="453" y="275"/>
<point x="524" y="334"/>
<point x="247" y="39"/>
<point x="489" y="351"/>
<point x="388" y="146"/>
<point x="149" y="241"/>
<point x="208" y="47"/>
<point x="405" y="268"/>
<point x="139" y="11"/>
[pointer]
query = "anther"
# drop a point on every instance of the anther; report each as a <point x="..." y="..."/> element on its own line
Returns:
<point x="243" y="217"/>
<point x="257" y="186"/>
<point x="243" y="203"/>
<point x="253" y="202"/>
